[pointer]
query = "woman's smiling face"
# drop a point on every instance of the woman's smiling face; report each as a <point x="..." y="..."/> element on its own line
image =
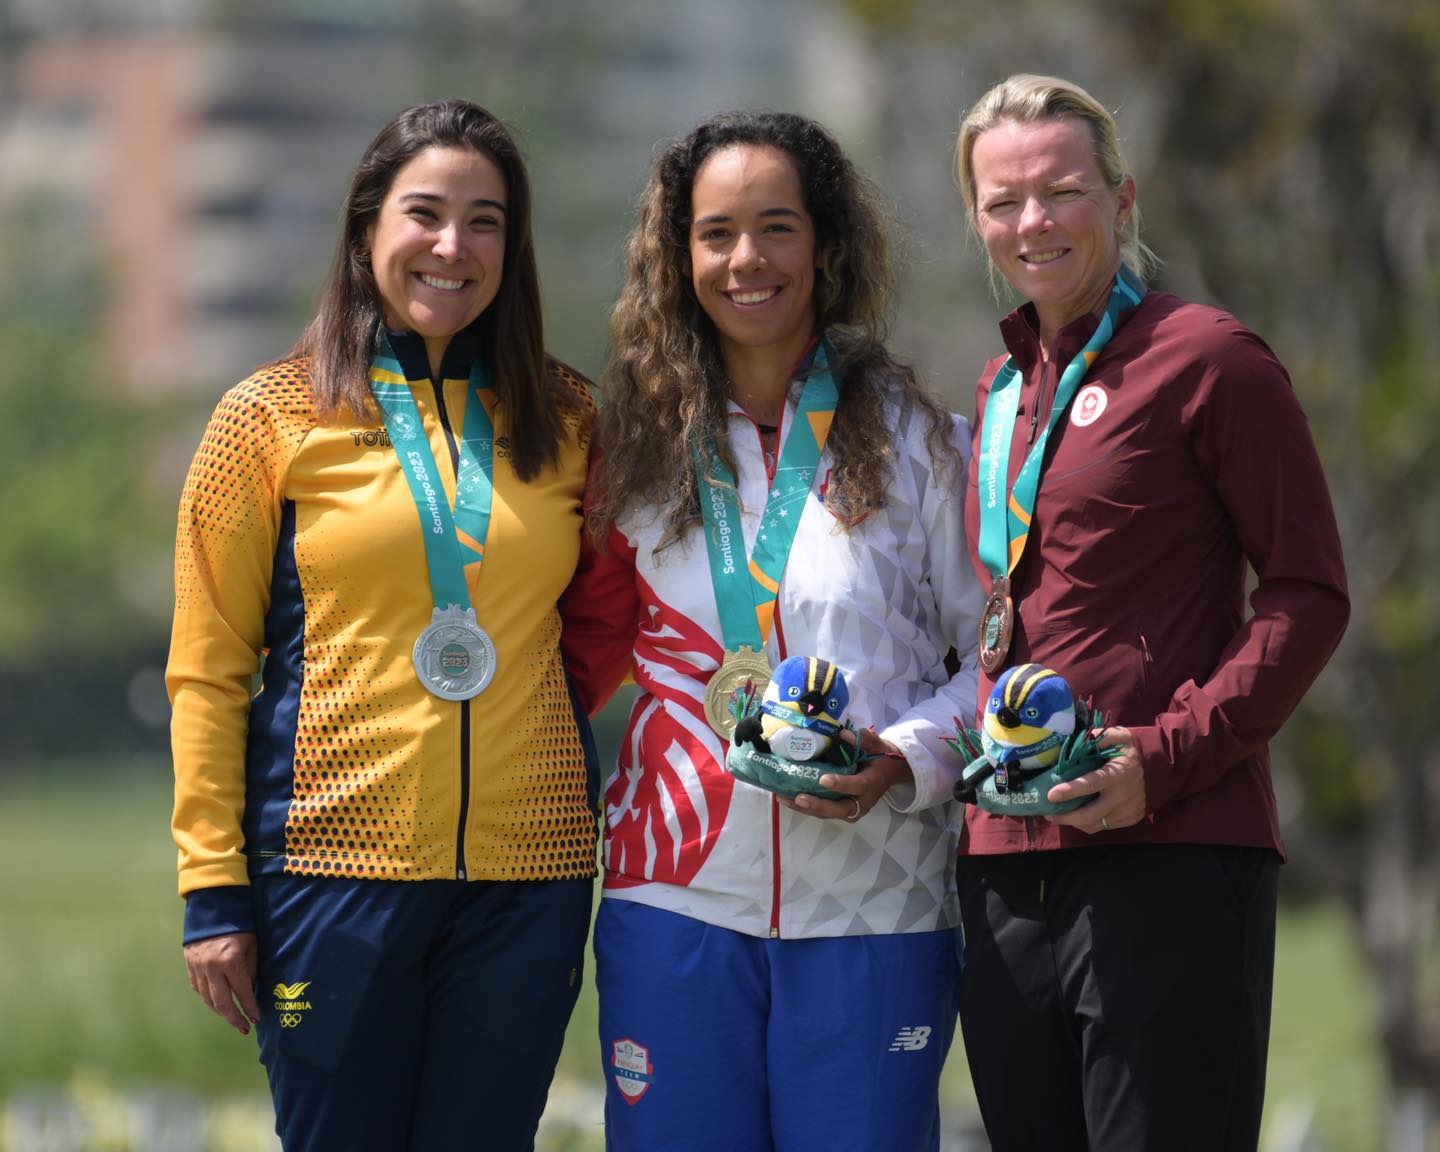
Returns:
<point x="1048" y="220"/>
<point x="752" y="249"/>
<point x="437" y="245"/>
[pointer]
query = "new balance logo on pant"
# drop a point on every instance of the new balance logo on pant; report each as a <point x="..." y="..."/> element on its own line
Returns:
<point x="911" y="1039"/>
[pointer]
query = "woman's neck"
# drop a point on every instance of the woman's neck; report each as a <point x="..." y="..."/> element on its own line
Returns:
<point x="759" y="378"/>
<point x="435" y="349"/>
<point x="763" y="403"/>
<point x="1053" y="322"/>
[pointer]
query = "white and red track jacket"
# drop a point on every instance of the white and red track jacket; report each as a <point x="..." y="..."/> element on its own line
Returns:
<point x="885" y="601"/>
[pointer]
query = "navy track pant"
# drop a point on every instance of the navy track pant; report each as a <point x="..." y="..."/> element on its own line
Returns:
<point x="422" y="1016"/>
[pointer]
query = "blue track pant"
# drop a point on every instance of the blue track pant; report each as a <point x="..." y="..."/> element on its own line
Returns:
<point x="714" y="1040"/>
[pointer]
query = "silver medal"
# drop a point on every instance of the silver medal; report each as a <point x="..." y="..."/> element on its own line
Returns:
<point x="454" y="657"/>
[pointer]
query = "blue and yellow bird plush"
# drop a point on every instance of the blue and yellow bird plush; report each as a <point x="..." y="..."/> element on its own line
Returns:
<point x="802" y="711"/>
<point x="1027" y="718"/>
<point x="1034" y="735"/>
<point x="788" y="739"/>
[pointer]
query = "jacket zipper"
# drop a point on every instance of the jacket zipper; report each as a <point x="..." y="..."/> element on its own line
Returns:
<point x="464" y="704"/>
<point x="775" y="811"/>
<point x="771" y="463"/>
<point x="1034" y="426"/>
<point x="1039" y="400"/>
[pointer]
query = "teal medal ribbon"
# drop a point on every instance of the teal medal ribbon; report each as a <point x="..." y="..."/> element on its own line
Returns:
<point x="746" y="588"/>
<point x="454" y="657"/>
<point x="1005" y="516"/>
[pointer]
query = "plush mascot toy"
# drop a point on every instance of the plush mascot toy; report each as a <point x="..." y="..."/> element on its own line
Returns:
<point x="802" y="709"/>
<point x="1034" y="735"/>
<point x="1027" y="718"/>
<point x="790" y="740"/>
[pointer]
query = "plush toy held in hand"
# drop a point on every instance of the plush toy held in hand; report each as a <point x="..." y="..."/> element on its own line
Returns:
<point x="1027" y="718"/>
<point x="1034" y="735"/>
<point x="790" y="739"/>
<point x="801" y="712"/>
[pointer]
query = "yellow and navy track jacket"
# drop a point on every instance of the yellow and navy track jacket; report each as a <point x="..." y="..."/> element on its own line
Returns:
<point x="299" y="556"/>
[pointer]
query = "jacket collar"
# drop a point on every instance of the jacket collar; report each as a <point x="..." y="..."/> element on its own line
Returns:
<point x="1021" y="332"/>
<point x="409" y="349"/>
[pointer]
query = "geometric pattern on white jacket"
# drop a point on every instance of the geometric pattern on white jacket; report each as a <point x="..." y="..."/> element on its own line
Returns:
<point x="884" y="601"/>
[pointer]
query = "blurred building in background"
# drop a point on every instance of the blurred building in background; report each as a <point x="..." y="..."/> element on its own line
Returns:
<point x="199" y="171"/>
<point x="173" y="175"/>
<point x="196" y="156"/>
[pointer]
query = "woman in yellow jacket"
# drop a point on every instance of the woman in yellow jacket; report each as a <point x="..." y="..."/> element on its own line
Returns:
<point x="387" y="853"/>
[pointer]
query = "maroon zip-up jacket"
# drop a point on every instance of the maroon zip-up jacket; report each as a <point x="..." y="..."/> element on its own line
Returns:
<point x="1184" y="458"/>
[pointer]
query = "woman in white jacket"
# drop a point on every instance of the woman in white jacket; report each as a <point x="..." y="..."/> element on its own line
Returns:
<point x="776" y="972"/>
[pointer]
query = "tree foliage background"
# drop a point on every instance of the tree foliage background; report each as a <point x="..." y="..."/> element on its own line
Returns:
<point x="81" y="551"/>
<point x="1291" y="174"/>
<point x="1305" y="174"/>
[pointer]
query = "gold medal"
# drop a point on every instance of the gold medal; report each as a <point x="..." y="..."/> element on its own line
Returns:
<point x="737" y="669"/>
<point x="997" y="623"/>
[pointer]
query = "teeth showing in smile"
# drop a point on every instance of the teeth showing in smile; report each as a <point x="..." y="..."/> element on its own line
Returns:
<point x="440" y="282"/>
<point x="757" y="297"/>
<point x="1043" y="257"/>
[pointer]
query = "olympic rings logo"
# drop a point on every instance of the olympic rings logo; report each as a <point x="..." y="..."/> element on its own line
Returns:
<point x="290" y="1019"/>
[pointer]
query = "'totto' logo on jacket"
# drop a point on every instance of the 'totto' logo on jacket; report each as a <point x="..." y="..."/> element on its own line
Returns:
<point x="371" y="438"/>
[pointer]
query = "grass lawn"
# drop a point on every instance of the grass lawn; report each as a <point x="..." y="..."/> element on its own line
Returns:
<point x="92" y="986"/>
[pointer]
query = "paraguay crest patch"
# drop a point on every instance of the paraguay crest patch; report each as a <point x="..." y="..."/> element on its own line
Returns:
<point x="630" y="1063"/>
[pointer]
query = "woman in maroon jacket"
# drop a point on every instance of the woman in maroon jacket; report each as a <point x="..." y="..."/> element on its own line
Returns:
<point x="1135" y="454"/>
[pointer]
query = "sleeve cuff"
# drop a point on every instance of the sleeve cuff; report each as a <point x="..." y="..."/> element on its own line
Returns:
<point x="932" y="778"/>
<point x="1160" y="785"/>
<point x="218" y="912"/>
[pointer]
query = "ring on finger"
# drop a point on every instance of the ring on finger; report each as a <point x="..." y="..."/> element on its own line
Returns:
<point x="854" y="816"/>
<point x="1105" y="823"/>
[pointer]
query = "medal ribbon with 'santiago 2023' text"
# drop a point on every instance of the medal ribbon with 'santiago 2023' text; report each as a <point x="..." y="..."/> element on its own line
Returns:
<point x="454" y="657"/>
<point x="1005" y="517"/>
<point x="746" y="589"/>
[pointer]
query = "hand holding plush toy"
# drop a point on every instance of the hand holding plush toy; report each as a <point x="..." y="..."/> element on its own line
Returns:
<point x="1035" y="735"/>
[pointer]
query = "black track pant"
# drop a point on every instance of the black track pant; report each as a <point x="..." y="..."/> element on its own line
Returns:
<point x="1117" y="999"/>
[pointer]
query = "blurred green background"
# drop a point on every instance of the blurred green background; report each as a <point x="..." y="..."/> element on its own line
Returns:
<point x="96" y="1007"/>
<point x="170" y="177"/>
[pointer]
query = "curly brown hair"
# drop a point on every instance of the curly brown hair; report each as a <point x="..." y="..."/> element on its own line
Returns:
<point x="665" y="391"/>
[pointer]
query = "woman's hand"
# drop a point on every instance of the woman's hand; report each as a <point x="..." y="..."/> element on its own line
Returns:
<point x="862" y="790"/>
<point x="222" y="971"/>
<point x="1118" y="786"/>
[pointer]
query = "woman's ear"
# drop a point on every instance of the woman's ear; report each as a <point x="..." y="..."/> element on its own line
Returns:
<point x="1124" y="200"/>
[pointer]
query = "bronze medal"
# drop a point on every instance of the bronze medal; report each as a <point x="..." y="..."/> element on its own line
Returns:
<point x="737" y="669"/>
<point x="997" y="623"/>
